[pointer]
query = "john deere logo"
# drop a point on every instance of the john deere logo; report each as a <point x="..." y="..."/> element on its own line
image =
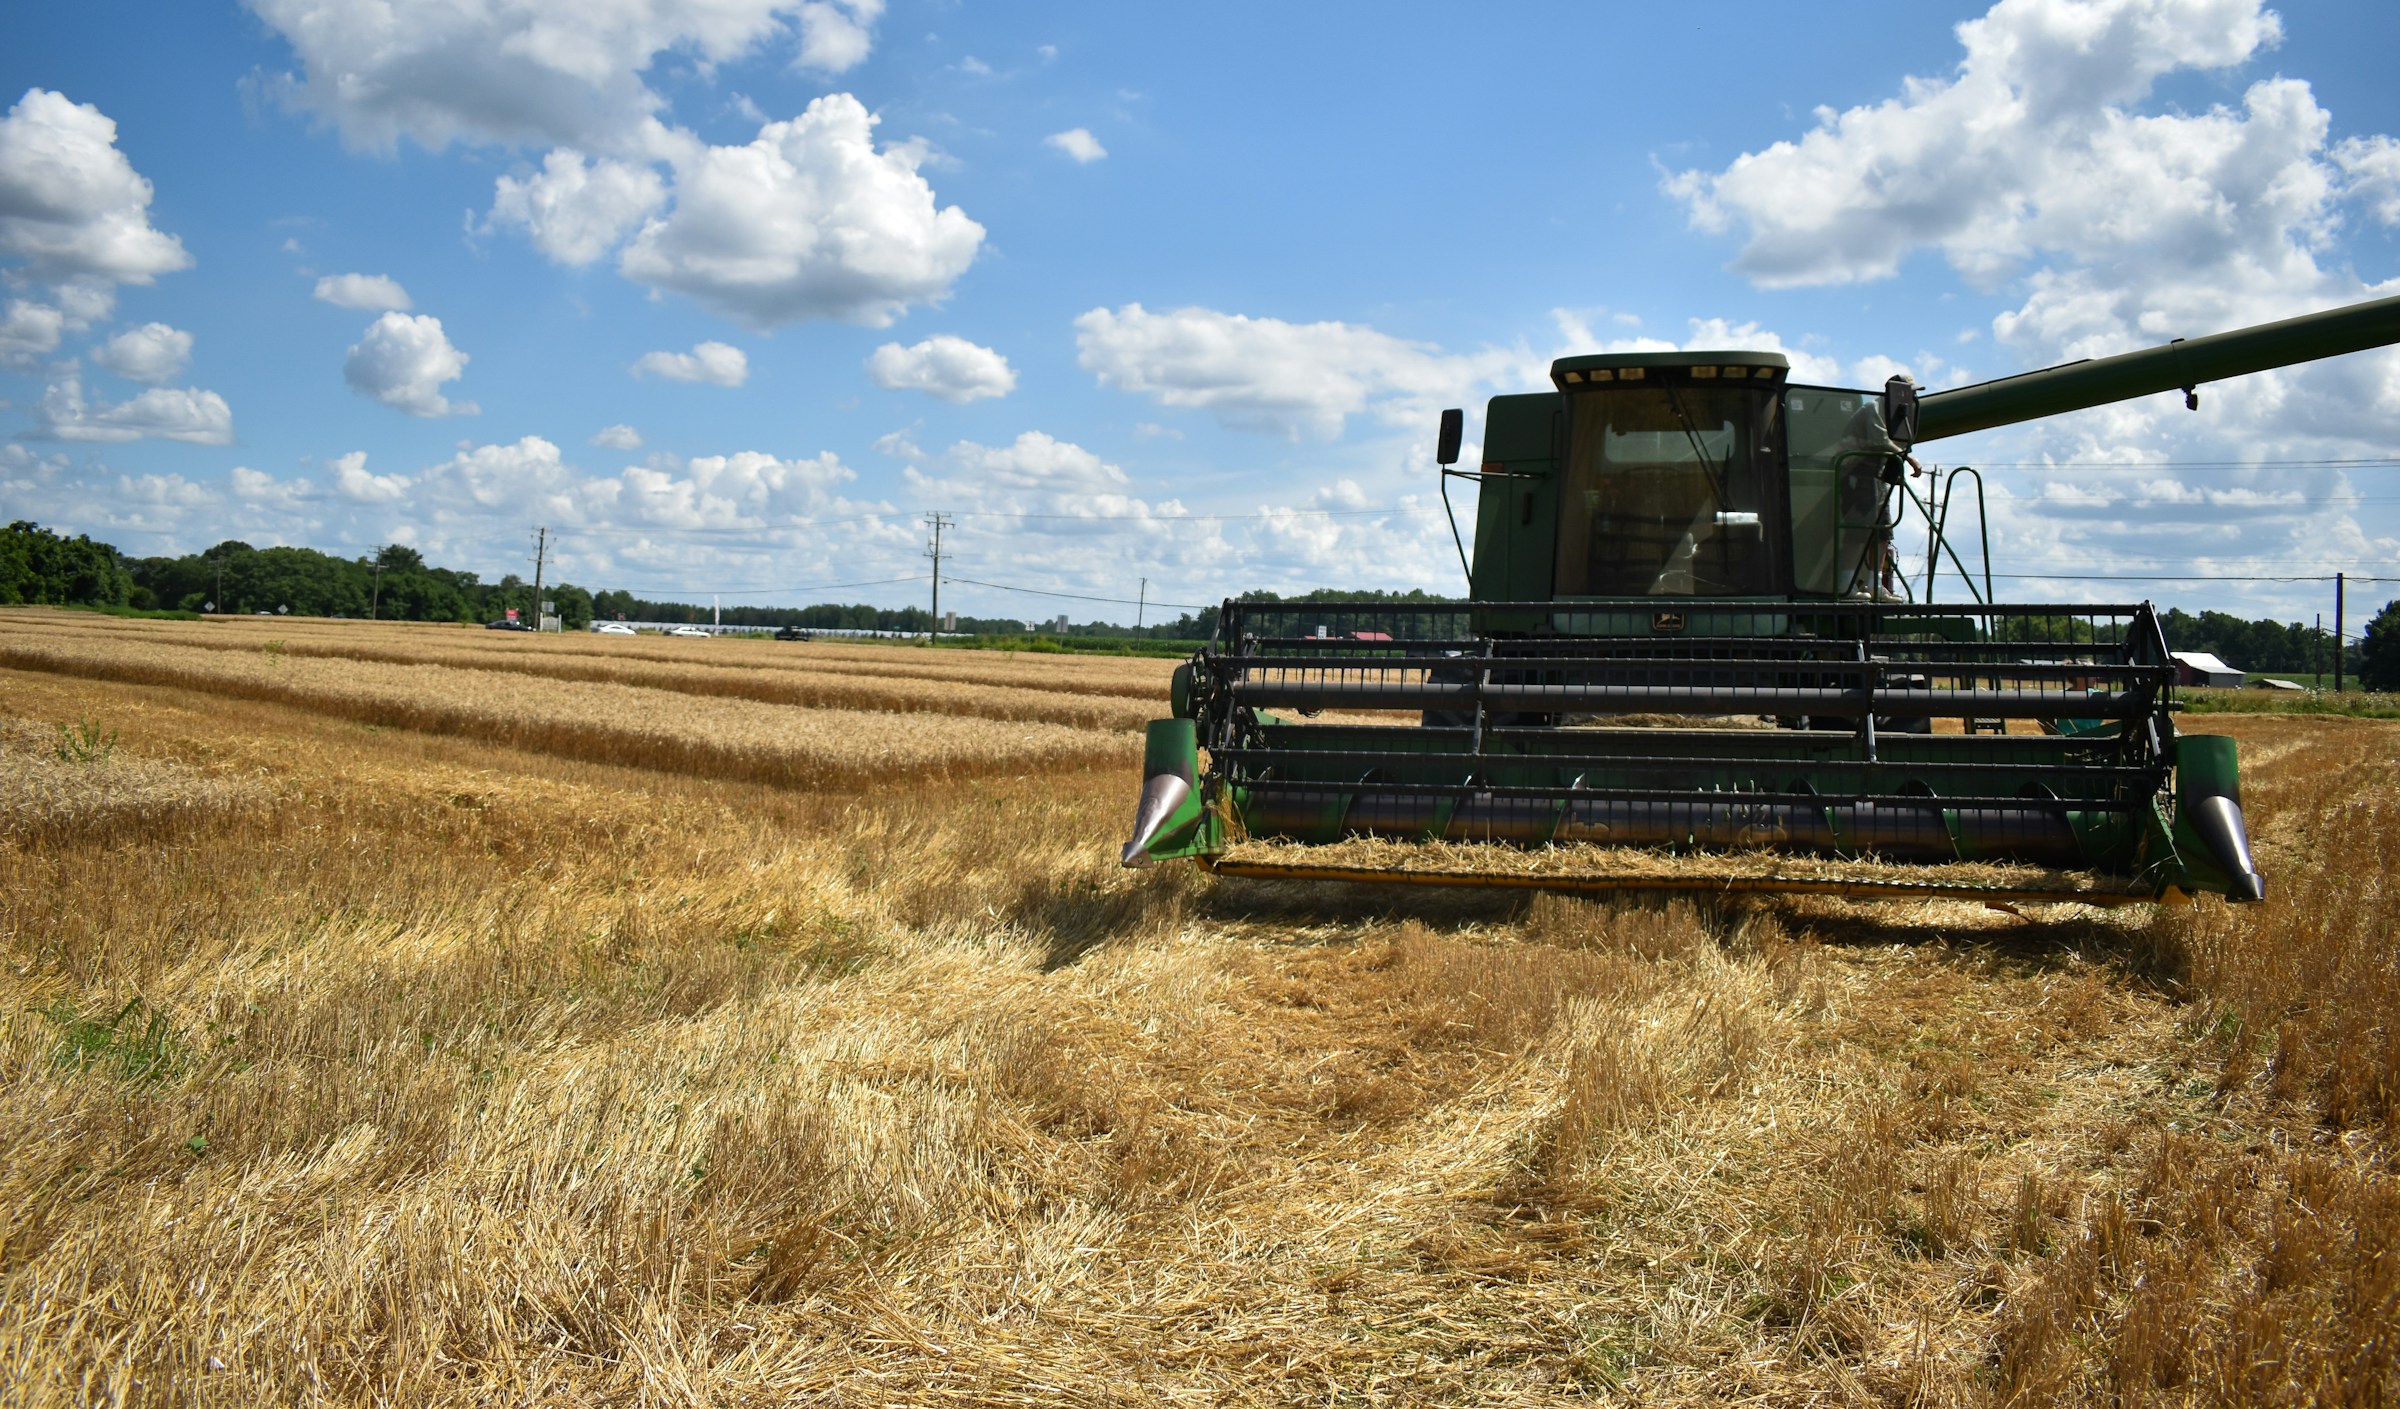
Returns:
<point x="1666" y="621"/>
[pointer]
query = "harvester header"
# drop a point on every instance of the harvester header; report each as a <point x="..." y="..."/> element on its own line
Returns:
<point x="1686" y="632"/>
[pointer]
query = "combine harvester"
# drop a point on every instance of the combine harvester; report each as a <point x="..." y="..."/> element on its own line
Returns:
<point x="1688" y="661"/>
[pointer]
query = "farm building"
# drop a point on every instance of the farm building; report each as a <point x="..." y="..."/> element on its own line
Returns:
<point x="2201" y="668"/>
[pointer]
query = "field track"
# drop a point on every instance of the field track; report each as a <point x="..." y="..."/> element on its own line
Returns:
<point x="400" y="1015"/>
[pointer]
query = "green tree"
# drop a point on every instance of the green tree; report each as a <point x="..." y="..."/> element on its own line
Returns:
<point x="37" y="565"/>
<point x="574" y="606"/>
<point x="2379" y="650"/>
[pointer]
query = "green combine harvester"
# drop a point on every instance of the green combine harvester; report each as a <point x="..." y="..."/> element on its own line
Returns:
<point x="1686" y="633"/>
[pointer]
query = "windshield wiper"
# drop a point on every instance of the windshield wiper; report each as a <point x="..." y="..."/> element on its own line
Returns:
<point x="1716" y="482"/>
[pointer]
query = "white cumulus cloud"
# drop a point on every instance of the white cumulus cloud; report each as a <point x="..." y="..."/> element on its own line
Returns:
<point x="576" y="210"/>
<point x="353" y="481"/>
<point x="746" y="490"/>
<point x="71" y="206"/>
<point x="810" y="220"/>
<point x="836" y="35"/>
<point x="720" y="364"/>
<point x="2373" y="166"/>
<point x="403" y="361"/>
<point x="1077" y="142"/>
<point x="516" y="73"/>
<point x="2032" y="145"/>
<point x="617" y="437"/>
<point x="371" y="292"/>
<point x="191" y="415"/>
<point x="151" y="353"/>
<point x="2045" y="165"/>
<point x="1266" y="374"/>
<point x="1035" y="461"/>
<point x="27" y="331"/>
<point x="949" y="368"/>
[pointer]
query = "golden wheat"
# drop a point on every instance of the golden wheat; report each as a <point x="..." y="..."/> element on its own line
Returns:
<point x="870" y="678"/>
<point x="465" y="1074"/>
<point x="605" y="722"/>
<point x="66" y="779"/>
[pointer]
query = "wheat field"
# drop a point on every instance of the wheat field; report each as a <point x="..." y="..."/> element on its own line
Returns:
<point x="397" y="1016"/>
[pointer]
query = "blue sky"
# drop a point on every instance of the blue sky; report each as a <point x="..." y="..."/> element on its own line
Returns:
<point x="728" y="294"/>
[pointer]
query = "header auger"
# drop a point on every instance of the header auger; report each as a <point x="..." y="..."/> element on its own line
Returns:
<point x="1685" y="633"/>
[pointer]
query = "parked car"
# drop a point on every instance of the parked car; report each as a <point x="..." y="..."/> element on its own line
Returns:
<point x="614" y="628"/>
<point x="687" y="631"/>
<point x="504" y="624"/>
<point x="790" y="633"/>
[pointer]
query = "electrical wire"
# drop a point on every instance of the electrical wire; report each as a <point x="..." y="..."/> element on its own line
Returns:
<point x="774" y="591"/>
<point x="1083" y="597"/>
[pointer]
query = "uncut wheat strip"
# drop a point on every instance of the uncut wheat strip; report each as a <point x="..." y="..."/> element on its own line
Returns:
<point x="1061" y="673"/>
<point x="621" y="724"/>
<point x="1064" y="671"/>
<point x="1062" y="689"/>
<point x="730" y="656"/>
<point x="836" y="690"/>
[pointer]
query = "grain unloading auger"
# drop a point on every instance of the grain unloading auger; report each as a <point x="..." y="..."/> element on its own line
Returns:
<point x="1685" y="633"/>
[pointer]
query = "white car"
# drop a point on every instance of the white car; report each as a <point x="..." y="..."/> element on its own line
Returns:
<point x="687" y="631"/>
<point x="613" y="628"/>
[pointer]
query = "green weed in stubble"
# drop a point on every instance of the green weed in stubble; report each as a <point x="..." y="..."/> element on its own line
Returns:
<point x="85" y="741"/>
<point x="130" y="1045"/>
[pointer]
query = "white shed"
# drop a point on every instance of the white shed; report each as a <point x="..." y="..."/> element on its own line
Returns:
<point x="2201" y="668"/>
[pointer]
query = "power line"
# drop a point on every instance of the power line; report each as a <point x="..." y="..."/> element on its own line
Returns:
<point x="1080" y="596"/>
<point x="777" y="591"/>
<point x="1199" y="518"/>
<point x="715" y="530"/>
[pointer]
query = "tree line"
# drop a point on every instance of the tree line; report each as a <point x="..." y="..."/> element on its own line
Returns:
<point x="2259" y="647"/>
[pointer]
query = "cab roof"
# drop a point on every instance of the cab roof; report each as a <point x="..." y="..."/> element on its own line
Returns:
<point x="1572" y="372"/>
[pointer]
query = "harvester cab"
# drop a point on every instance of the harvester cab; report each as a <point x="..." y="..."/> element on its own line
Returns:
<point x="1686" y="633"/>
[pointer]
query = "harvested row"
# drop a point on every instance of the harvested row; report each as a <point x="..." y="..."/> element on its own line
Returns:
<point x="812" y="689"/>
<point x="603" y="723"/>
<point x="1054" y="674"/>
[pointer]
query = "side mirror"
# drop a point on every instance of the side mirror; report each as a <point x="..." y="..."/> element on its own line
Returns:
<point x="1454" y="424"/>
<point x="1900" y="411"/>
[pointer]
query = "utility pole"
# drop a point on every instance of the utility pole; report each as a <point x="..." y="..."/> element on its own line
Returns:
<point x="375" y="600"/>
<point x="220" y="604"/>
<point x="938" y="521"/>
<point x="1141" y="606"/>
<point x="541" y="546"/>
<point x="2316" y="651"/>
<point x="2337" y="633"/>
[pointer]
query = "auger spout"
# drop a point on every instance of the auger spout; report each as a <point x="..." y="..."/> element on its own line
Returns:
<point x="2182" y="365"/>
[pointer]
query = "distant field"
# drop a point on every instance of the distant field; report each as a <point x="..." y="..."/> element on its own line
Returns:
<point x="420" y="1015"/>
